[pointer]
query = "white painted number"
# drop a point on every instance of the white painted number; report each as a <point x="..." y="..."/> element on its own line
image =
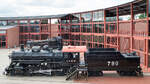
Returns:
<point x="112" y="63"/>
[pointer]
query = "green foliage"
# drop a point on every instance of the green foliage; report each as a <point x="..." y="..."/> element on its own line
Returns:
<point x="142" y="16"/>
<point x="56" y="22"/>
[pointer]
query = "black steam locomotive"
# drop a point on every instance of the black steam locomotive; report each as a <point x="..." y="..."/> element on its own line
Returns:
<point x="48" y="59"/>
<point x="40" y="61"/>
<point x="41" y="58"/>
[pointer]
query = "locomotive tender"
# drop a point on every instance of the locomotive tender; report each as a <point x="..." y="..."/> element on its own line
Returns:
<point x="51" y="58"/>
<point x="108" y="59"/>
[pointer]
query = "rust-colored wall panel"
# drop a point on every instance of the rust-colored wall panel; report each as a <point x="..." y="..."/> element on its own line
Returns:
<point x="124" y="28"/>
<point x="54" y="30"/>
<point x="140" y="46"/>
<point x="140" y="27"/>
<point x="124" y="44"/>
<point x="13" y="37"/>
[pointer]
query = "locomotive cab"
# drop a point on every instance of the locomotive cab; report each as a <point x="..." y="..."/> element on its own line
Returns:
<point x="74" y="54"/>
<point x="79" y="68"/>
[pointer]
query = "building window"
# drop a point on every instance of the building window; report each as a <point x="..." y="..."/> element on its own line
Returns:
<point x="98" y="28"/>
<point x="24" y="22"/>
<point x="125" y="13"/>
<point x="87" y="28"/>
<point x="12" y="23"/>
<point x="2" y="32"/>
<point x="34" y="21"/>
<point x="24" y="29"/>
<point x="140" y="9"/>
<point x="65" y="21"/>
<point x="54" y="21"/>
<point x="98" y="16"/>
<point x="3" y="23"/>
<point x="75" y="28"/>
<point x="111" y="28"/>
<point x="35" y="37"/>
<point x="44" y="21"/>
<point x="86" y="17"/>
<point x="3" y="38"/>
<point x="111" y="15"/>
<point x="35" y="29"/>
<point x="76" y="18"/>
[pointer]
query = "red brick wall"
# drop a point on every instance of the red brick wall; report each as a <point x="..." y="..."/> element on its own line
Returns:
<point x="13" y="37"/>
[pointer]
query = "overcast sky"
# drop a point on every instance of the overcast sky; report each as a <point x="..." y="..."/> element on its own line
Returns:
<point x="51" y="7"/>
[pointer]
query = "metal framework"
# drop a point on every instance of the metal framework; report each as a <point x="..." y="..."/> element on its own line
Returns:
<point x="110" y="30"/>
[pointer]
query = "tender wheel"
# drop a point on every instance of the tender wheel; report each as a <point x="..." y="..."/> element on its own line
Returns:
<point x="133" y="73"/>
<point x="127" y="73"/>
<point x="121" y="73"/>
<point x="139" y="72"/>
<point x="89" y="73"/>
<point x="11" y="72"/>
<point x="95" y="73"/>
